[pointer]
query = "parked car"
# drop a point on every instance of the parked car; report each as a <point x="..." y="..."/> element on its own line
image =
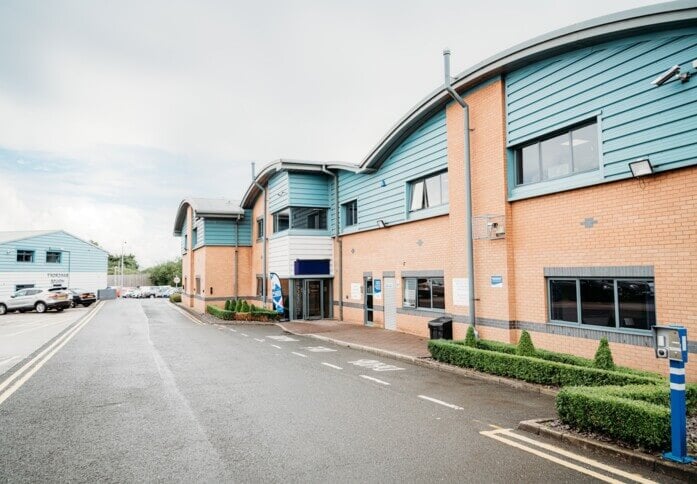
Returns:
<point x="40" y="300"/>
<point x="164" y="291"/>
<point x="148" y="291"/>
<point x="83" y="298"/>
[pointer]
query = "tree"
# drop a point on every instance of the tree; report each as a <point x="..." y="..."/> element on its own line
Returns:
<point x="525" y="346"/>
<point x="603" y="357"/>
<point x="164" y="274"/>
<point x="130" y="264"/>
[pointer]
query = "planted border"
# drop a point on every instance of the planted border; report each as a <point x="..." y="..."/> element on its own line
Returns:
<point x="529" y="369"/>
<point x="220" y="313"/>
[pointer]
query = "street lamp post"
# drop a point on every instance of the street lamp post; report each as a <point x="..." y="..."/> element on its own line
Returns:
<point x="122" y="250"/>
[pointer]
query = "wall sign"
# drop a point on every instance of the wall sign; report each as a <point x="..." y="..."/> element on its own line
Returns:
<point x="496" y="281"/>
<point x="377" y="289"/>
<point x="461" y="291"/>
<point x="356" y="291"/>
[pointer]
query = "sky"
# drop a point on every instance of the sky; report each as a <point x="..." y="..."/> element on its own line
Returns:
<point x="113" y="112"/>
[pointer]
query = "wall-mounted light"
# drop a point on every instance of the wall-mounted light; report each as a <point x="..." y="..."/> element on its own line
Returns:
<point x="641" y="167"/>
<point x="381" y="224"/>
<point x="383" y="184"/>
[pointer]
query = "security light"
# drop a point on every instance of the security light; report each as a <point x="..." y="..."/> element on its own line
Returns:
<point x="666" y="76"/>
<point x="381" y="224"/>
<point x="641" y="167"/>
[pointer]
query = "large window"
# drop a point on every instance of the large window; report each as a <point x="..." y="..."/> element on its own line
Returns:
<point x="612" y="303"/>
<point x="429" y="192"/>
<point x="260" y="229"/>
<point x="350" y="213"/>
<point x="25" y="256"/>
<point x="53" y="257"/>
<point x="568" y="153"/>
<point x="424" y="293"/>
<point x="309" y="218"/>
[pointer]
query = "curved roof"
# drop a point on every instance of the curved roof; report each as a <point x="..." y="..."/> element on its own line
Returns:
<point x="289" y="165"/>
<point x="207" y="207"/>
<point x="622" y="24"/>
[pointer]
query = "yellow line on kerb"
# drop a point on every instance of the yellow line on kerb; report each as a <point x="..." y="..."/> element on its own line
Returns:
<point x="7" y="388"/>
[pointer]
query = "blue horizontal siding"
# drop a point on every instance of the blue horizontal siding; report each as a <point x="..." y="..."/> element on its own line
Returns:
<point x="223" y="232"/>
<point x="278" y="192"/>
<point x="78" y="256"/>
<point x="611" y="82"/>
<point x="308" y="189"/>
<point x="421" y="153"/>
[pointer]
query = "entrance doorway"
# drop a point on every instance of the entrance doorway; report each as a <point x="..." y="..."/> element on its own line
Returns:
<point x="368" y="302"/>
<point x="312" y="299"/>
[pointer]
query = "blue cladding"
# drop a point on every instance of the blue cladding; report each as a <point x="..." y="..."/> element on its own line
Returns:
<point x="309" y="189"/>
<point x="224" y="231"/>
<point x="278" y="192"/>
<point x="383" y="195"/>
<point x="612" y="82"/>
<point x="311" y="267"/>
<point x="77" y="255"/>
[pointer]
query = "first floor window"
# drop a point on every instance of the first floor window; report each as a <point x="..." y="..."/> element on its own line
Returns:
<point x="429" y="192"/>
<point x="612" y="303"/>
<point x="53" y="257"/>
<point x="424" y="293"/>
<point x="351" y="213"/>
<point x="281" y="221"/>
<point x="25" y="256"/>
<point x="260" y="228"/>
<point x="573" y="151"/>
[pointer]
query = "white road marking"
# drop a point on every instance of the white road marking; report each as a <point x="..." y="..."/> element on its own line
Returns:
<point x="259" y="340"/>
<point x="501" y="434"/>
<point x="43" y="326"/>
<point x="332" y="366"/>
<point x="276" y="346"/>
<point x="299" y="354"/>
<point x="282" y="338"/>
<point x="440" y="402"/>
<point x="245" y="335"/>
<point x="233" y="330"/>
<point x="374" y="379"/>
<point x="375" y="365"/>
<point x="27" y="371"/>
<point x="319" y="349"/>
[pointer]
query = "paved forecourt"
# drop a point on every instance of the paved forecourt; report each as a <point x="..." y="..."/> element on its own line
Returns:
<point x="143" y="392"/>
<point x="23" y="333"/>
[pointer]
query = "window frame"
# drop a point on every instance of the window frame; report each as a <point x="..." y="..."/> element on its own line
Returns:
<point x="54" y="252"/>
<point x="416" y="305"/>
<point x="422" y="182"/>
<point x="260" y="228"/>
<point x="24" y="252"/>
<point x="518" y="150"/>
<point x="616" y="303"/>
<point x="318" y="214"/>
<point x="348" y="207"/>
<point x="260" y="286"/>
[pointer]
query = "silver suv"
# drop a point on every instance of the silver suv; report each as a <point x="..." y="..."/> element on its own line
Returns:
<point x="39" y="299"/>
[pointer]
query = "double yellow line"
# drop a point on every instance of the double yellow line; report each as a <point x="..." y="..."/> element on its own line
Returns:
<point x="20" y="377"/>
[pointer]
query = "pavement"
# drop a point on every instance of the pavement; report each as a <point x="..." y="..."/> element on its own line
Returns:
<point x="143" y="391"/>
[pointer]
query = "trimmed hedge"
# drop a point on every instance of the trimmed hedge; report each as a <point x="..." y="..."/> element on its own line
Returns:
<point x="220" y="313"/>
<point x="533" y="370"/>
<point x="636" y="414"/>
<point x="175" y="298"/>
<point x="557" y="357"/>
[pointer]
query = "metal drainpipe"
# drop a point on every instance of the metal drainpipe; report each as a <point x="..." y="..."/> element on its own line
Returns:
<point x="263" y="256"/>
<point x="237" y="257"/>
<point x="468" y="185"/>
<point x="338" y="241"/>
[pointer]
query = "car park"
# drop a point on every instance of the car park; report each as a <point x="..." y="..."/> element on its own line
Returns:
<point x="39" y="300"/>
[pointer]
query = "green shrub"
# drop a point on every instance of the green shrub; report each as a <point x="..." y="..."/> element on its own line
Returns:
<point x="220" y="313"/>
<point x="244" y="307"/>
<point x="175" y="298"/>
<point x="237" y="305"/>
<point x="262" y="314"/>
<point x="603" y="357"/>
<point x="227" y="304"/>
<point x="525" y="346"/>
<point x="533" y="370"/>
<point x="252" y="308"/>
<point x="471" y="337"/>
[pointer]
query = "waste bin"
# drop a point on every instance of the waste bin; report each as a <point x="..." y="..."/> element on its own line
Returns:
<point x="441" y="328"/>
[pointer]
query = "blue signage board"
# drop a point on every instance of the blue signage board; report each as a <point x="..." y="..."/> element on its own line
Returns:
<point x="276" y="293"/>
<point x="377" y="286"/>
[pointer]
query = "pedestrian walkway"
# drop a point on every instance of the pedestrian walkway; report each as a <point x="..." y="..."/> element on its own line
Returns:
<point x="364" y="336"/>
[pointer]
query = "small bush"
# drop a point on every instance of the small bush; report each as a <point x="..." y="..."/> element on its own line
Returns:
<point x="252" y="308"/>
<point x="525" y="346"/>
<point x="533" y="370"/>
<point x="220" y="313"/>
<point x="236" y="305"/>
<point x="227" y="305"/>
<point x="603" y="357"/>
<point x="175" y="298"/>
<point x="471" y="337"/>
<point x="244" y="307"/>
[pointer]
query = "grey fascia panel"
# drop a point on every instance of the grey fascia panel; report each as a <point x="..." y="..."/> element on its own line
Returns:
<point x="431" y="273"/>
<point x="609" y="271"/>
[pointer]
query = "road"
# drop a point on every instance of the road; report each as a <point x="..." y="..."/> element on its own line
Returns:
<point x="142" y="392"/>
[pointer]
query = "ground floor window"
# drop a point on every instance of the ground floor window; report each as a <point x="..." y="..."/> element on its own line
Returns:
<point x="424" y="293"/>
<point x="612" y="303"/>
<point x="198" y="285"/>
<point x="260" y="286"/>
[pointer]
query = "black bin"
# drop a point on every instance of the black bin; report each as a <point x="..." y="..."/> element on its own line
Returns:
<point x="441" y="328"/>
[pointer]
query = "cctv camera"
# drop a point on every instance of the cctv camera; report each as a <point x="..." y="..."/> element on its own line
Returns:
<point x="662" y="353"/>
<point x="666" y="76"/>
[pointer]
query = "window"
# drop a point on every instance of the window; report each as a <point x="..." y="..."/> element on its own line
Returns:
<point x="424" y="293"/>
<point x="53" y="257"/>
<point x="612" y="303"/>
<point x="351" y="213"/>
<point x="429" y="192"/>
<point x="568" y="153"/>
<point x="308" y="218"/>
<point x="260" y="286"/>
<point x="194" y="237"/>
<point x="19" y="287"/>
<point x="260" y="228"/>
<point x="186" y="242"/>
<point x="25" y="256"/>
<point x="198" y="285"/>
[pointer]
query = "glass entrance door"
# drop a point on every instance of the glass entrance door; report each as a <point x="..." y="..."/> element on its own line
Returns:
<point x="313" y="299"/>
